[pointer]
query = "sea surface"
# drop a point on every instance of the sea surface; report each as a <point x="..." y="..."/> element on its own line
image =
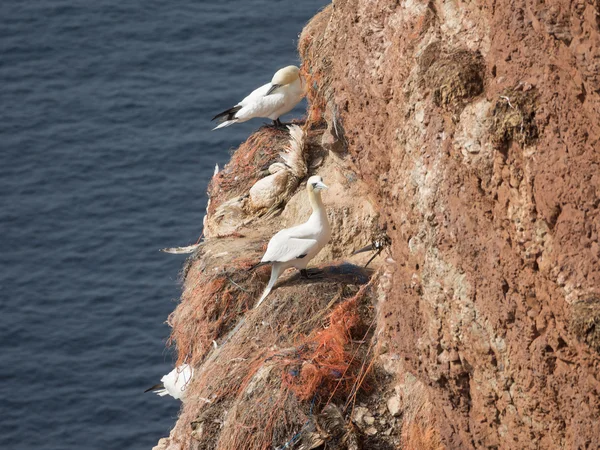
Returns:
<point x="106" y="151"/>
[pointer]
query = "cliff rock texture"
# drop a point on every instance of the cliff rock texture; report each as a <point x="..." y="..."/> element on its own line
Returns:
<point x="475" y="126"/>
<point x="469" y="132"/>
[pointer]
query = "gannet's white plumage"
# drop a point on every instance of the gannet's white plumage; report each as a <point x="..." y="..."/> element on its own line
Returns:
<point x="271" y="100"/>
<point x="269" y="192"/>
<point x="174" y="383"/>
<point x="296" y="246"/>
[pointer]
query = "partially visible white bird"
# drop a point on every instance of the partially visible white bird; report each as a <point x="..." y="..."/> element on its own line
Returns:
<point x="174" y="383"/>
<point x="271" y="191"/>
<point x="296" y="246"/>
<point x="271" y="100"/>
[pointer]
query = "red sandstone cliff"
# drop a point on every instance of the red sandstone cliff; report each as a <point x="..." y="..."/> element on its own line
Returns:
<point x="476" y="126"/>
<point x="470" y="132"/>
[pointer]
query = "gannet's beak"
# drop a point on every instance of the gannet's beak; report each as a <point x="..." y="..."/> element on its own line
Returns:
<point x="364" y="249"/>
<point x="321" y="186"/>
<point x="275" y="86"/>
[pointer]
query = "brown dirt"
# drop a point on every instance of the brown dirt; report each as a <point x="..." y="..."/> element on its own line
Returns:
<point x="475" y="128"/>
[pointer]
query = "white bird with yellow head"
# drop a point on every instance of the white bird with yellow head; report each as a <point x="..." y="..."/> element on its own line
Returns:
<point x="271" y="100"/>
<point x="296" y="246"/>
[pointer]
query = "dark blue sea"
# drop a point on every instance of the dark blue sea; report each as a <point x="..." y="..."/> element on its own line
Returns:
<point x="105" y="156"/>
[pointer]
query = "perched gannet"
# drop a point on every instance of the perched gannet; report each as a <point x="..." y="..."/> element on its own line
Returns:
<point x="271" y="191"/>
<point x="271" y="100"/>
<point x="296" y="246"/>
<point x="174" y="383"/>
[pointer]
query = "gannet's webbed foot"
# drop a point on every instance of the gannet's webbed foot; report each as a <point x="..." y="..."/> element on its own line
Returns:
<point x="311" y="273"/>
<point x="279" y="125"/>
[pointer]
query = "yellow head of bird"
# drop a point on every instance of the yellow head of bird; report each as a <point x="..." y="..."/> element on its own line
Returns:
<point x="284" y="76"/>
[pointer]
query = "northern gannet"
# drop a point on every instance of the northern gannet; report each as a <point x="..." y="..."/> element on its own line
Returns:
<point x="296" y="246"/>
<point x="271" y="191"/>
<point x="174" y="383"/>
<point x="271" y="100"/>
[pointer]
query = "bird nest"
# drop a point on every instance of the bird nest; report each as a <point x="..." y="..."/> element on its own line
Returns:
<point x="247" y="165"/>
<point x="218" y="291"/>
<point x="307" y="346"/>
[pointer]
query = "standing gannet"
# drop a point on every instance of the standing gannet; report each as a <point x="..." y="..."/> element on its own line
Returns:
<point x="174" y="383"/>
<point x="271" y="100"/>
<point x="296" y="246"/>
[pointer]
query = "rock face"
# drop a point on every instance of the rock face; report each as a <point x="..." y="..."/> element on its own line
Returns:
<point x="470" y="133"/>
<point x="476" y="128"/>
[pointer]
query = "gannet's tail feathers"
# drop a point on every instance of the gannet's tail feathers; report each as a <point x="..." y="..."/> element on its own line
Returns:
<point x="228" y="114"/>
<point x="227" y="117"/>
<point x="225" y="124"/>
<point x="275" y="272"/>
<point x="158" y="389"/>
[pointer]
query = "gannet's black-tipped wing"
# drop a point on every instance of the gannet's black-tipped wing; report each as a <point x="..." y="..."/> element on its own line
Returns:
<point x="228" y="114"/>
<point x="158" y="389"/>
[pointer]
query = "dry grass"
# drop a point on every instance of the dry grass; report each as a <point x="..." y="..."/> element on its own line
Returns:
<point x="324" y="357"/>
<point x="313" y="49"/>
<point x="454" y="79"/>
<point x="263" y="414"/>
<point x="513" y="119"/>
<point x="209" y="310"/>
<point x="255" y="391"/>
<point x="275" y="395"/>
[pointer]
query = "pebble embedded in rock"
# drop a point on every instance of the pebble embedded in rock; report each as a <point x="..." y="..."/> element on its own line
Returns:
<point x="394" y="406"/>
<point x="359" y="413"/>
<point x="371" y="431"/>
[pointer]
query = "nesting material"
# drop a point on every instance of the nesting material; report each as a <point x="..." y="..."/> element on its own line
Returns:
<point x="454" y="79"/>
<point x="513" y="119"/>
<point x="315" y="50"/>
<point x="251" y="391"/>
<point x="271" y="191"/>
<point x="585" y="321"/>
<point x="247" y="166"/>
<point x="241" y="192"/>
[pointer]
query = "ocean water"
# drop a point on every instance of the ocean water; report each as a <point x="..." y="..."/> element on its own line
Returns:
<point x="105" y="155"/>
